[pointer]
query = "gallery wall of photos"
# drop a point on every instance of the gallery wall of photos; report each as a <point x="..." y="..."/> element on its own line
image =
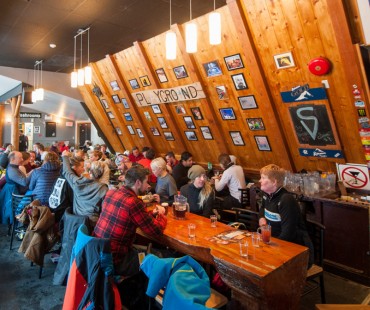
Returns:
<point x="242" y="112"/>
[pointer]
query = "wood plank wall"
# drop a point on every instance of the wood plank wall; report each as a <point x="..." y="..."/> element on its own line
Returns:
<point x="256" y="30"/>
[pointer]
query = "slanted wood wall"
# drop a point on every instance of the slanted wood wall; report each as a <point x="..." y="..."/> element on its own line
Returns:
<point x="257" y="30"/>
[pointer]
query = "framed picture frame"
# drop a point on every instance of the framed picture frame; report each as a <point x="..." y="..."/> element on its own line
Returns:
<point x="222" y="92"/>
<point x="191" y="135"/>
<point x="118" y="130"/>
<point x="147" y="116"/>
<point x="155" y="131"/>
<point x="197" y="114"/>
<point x="162" y="122"/>
<point x="180" y="72"/>
<point x="116" y="99"/>
<point x="284" y="61"/>
<point x="180" y="109"/>
<point x="255" y="123"/>
<point x="114" y="85"/>
<point x="162" y="77"/>
<point x="36" y="129"/>
<point x="233" y="62"/>
<point x="134" y="84"/>
<point x="239" y="81"/>
<point x="212" y="68"/>
<point x="125" y="103"/>
<point x="227" y="114"/>
<point x="156" y="109"/>
<point x="110" y="115"/>
<point x="247" y="102"/>
<point x="127" y="116"/>
<point x="145" y="81"/>
<point x="104" y="103"/>
<point x="168" y="136"/>
<point x="131" y="130"/>
<point x="189" y="122"/>
<point x="139" y="133"/>
<point x="237" y="138"/>
<point x="262" y="143"/>
<point x="206" y="132"/>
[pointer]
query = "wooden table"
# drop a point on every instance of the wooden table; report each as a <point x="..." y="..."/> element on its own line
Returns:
<point x="272" y="277"/>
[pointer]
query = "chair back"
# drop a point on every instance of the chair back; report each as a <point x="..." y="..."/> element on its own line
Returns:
<point x="316" y="232"/>
<point x="20" y="201"/>
<point x="244" y="197"/>
<point x="248" y="217"/>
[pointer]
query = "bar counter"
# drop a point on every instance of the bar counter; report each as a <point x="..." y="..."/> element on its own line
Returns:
<point x="272" y="277"/>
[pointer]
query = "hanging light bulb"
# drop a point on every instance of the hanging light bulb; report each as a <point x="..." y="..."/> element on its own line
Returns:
<point x="171" y="41"/>
<point x="191" y="36"/>
<point x="82" y="76"/>
<point x="74" y="73"/>
<point x="214" y="24"/>
<point x="88" y="71"/>
<point x="40" y="90"/>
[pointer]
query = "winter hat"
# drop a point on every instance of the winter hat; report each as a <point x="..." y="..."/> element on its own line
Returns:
<point x="195" y="171"/>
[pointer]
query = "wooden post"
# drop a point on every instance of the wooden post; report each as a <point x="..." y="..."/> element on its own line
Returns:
<point x="16" y="106"/>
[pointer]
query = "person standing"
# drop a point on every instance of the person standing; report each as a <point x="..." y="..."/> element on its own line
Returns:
<point x="23" y="142"/>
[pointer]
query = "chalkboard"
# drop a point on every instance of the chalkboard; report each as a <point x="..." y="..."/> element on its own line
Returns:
<point x="50" y="129"/>
<point x="312" y="124"/>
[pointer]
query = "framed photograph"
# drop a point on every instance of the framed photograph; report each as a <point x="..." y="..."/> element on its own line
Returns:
<point x="189" y="122"/>
<point x="156" y="109"/>
<point x="155" y="131"/>
<point x="114" y="85"/>
<point x="134" y="84"/>
<point x="196" y="113"/>
<point x="180" y="109"/>
<point x="285" y="60"/>
<point x="104" y="103"/>
<point x="255" y="124"/>
<point x="262" y="143"/>
<point x="162" y="122"/>
<point x="191" y="135"/>
<point x="147" y="116"/>
<point x="131" y="130"/>
<point x="168" y="136"/>
<point x="110" y="115"/>
<point x="180" y="72"/>
<point x="222" y="92"/>
<point x="118" y="130"/>
<point x="227" y="113"/>
<point x="239" y="81"/>
<point x="36" y="129"/>
<point x="233" y="62"/>
<point x="248" y="102"/>
<point x="145" y="81"/>
<point x="162" y="77"/>
<point x="212" y="68"/>
<point x="127" y="116"/>
<point x="116" y="99"/>
<point x="140" y="133"/>
<point x="206" y="132"/>
<point x="125" y="103"/>
<point x="237" y="138"/>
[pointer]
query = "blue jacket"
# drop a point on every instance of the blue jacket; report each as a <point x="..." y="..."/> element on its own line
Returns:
<point x="186" y="282"/>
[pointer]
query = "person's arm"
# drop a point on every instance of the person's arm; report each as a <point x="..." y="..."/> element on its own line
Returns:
<point x="221" y="183"/>
<point x="18" y="177"/>
<point x="261" y="215"/>
<point x="68" y="173"/>
<point x="290" y="216"/>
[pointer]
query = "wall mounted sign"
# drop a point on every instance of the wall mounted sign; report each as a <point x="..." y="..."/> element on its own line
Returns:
<point x="312" y="124"/>
<point x="29" y="115"/>
<point x="320" y="153"/>
<point x="166" y="95"/>
<point x="359" y="104"/>
<point x="354" y="176"/>
<point x="303" y="93"/>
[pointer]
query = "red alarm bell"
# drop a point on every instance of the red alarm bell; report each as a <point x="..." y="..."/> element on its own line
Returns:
<point x="319" y="66"/>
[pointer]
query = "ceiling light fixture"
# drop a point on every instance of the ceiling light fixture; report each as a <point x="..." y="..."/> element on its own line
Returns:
<point x="83" y="75"/>
<point x="38" y="91"/>
<point x="191" y="36"/>
<point x="214" y="24"/>
<point x="52" y="45"/>
<point x="171" y="42"/>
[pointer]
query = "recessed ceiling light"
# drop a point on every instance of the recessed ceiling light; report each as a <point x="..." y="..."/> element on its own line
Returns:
<point x="52" y="45"/>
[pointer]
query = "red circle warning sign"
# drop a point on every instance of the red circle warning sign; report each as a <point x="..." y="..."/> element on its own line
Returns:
<point x="354" y="177"/>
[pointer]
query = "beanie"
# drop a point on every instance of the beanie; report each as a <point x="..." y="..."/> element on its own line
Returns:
<point x="195" y="171"/>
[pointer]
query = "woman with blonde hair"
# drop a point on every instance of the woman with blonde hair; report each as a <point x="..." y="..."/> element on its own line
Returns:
<point x="199" y="192"/>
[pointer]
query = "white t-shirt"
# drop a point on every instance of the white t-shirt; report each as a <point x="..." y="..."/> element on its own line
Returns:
<point x="234" y="178"/>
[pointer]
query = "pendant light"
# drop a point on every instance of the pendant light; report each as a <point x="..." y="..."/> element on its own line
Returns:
<point x="171" y="42"/>
<point x="38" y="92"/>
<point x="214" y="24"/>
<point x="191" y="36"/>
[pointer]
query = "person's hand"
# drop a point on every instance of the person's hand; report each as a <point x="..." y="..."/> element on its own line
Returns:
<point x="262" y="221"/>
<point x="121" y="178"/>
<point x="156" y="198"/>
<point x="159" y="210"/>
<point x="65" y="153"/>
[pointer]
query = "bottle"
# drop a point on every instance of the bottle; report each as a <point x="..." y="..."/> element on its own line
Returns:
<point x="209" y="166"/>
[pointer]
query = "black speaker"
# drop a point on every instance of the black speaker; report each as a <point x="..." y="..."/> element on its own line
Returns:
<point x="27" y="96"/>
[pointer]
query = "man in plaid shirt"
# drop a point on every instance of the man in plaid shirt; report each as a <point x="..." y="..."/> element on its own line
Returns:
<point x="123" y="212"/>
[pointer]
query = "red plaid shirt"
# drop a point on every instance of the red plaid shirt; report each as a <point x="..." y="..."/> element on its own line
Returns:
<point x="122" y="212"/>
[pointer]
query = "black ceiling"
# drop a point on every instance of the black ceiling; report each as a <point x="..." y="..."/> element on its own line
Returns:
<point x="27" y="27"/>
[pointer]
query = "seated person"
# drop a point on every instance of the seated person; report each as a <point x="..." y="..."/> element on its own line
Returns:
<point x="199" y="192"/>
<point x="280" y="209"/>
<point x="4" y="156"/>
<point x="166" y="185"/>
<point x="135" y="155"/>
<point x="233" y="178"/>
<point x="180" y="171"/>
<point x="97" y="156"/>
<point x="31" y="162"/>
<point x="149" y="155"/>
<point x="122" y="213"/>
<point x="171" y="161"/>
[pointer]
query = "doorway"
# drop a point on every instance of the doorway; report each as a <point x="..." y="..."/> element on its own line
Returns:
<point x="83" y="133"/>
